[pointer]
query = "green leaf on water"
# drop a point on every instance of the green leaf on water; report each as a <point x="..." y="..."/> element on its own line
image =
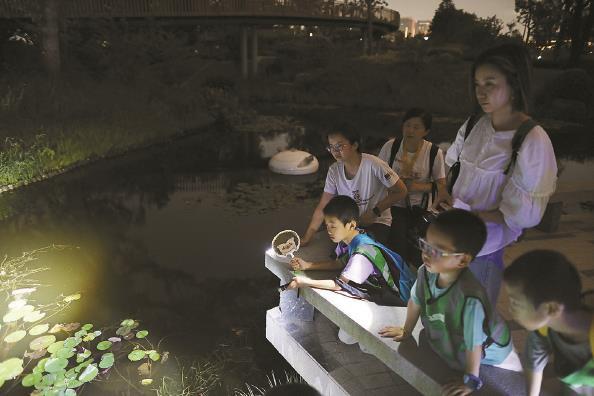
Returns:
<point x="104" y="345"/>
<point x="154" y="356"/>
<point x="107" y="360"/>
<point x="34" y="316"/>
<point x="80" y="357"/>
<point x="146" y="381"/>
<point x="142" y="334"/>
<point x="81" y="333"/>
<point x="18" y="313"/>
<point x="31" y="379"/>
<point x="83" y="365"/>
<point x="55" y="347"/>
<point x="15" y="336"/>
<point x="49" y="379"/>
<point x="87" y="326"/>
<point x="136" y="355"/>
<point x="73" y="383"/>
<point x="89" y="373"/>
<point x="65" y="353"/>
<point x="72" y="297"/>
<point x="122" y="331"/>
<point x="71" y="342"/>
<point x="39" y="329"/>
<point x="42" y="342"/>
<point x="10" y="368"/>
<point x="127" y="322"/>
<point x="54" y="365"/>
<point x="69" y="392"/>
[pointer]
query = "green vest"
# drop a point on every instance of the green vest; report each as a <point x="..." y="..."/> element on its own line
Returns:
<point x="443" y="317"/>
<point x="585" y="375"/>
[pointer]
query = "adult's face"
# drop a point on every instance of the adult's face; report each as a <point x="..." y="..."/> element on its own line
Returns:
<point x="491" y="88"/>
<point x="340" y="147"/>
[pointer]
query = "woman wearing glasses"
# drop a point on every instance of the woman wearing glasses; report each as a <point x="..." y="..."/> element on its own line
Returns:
<point x="365" y="178"/>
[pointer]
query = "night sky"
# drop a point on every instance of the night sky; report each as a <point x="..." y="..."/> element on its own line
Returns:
<point x="425" y="9"/>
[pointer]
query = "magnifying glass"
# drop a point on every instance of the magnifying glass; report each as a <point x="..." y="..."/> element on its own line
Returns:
<point x="285" y="244"/>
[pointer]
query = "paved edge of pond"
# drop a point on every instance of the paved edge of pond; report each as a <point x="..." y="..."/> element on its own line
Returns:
<point x="111" y="155"/>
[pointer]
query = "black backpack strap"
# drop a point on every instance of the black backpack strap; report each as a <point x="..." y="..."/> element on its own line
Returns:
<point x="517" y="141"/>
<point x="395" y="147"/>
<point x="432" y="154"/>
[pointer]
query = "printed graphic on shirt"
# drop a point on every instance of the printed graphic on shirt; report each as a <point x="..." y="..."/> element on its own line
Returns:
<point x="437" y="317"/>
<point x="360" y="200"/>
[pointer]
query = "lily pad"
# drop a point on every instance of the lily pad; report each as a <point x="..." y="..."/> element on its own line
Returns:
<point x="55" y="347"/>
<point x="15" y="336"/>
<point x="39" y="329"/>
<point x="73" y="383"/>
<point x="136" y="355"/>
<point x="65" y="353"/>
<point x="42" y="342"/>
<point x="31" y="380"/>
<point x="107" y="360"/>
<point x="142" y="334"/>
<point x="104" y="345"/>
<point x="89" y="373"/>
<point x="34" y="316"/>
<point x="69" y="392"/>
<point x="16" y="314"/>
<point x="127" y="322"/>
<point x="114" y="339"/>
<point x="54" y="365"/>
<point x="146" y="381"/>
<point x="10" y="368"/>
<point x="154" y="356"/>
<point x="21" y="292"/>
<point x="87" y="327"/>
<point x="80" y="357"/>
<point x="72" y="297"/>
<point x="71" y="342"/>
<point x="16" y="304"/>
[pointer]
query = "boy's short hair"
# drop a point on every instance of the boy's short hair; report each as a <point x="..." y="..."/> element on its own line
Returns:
<point x="466" y="230"/>
<point x="544" y="276"/>
<point x="424" y="115"/>
<point x="344" y="208"/>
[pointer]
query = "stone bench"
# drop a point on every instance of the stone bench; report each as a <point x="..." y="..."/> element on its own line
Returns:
<point x="309" y="343"/>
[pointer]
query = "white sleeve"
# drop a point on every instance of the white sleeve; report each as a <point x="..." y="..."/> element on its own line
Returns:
<point x="331" y="185"/>
<point x="438" y="171"/>
<point x="533" y="180"/>
<point x="456" y="147"/>
<point x="386" y="150"/>
<point x="383" y="172"/>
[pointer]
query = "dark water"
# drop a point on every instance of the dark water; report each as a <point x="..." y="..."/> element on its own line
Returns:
<point x="165" y="237"/>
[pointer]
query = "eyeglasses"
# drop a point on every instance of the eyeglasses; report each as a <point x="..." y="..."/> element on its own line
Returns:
<point x="338" y="147"/>
<point x="433" y="251"/>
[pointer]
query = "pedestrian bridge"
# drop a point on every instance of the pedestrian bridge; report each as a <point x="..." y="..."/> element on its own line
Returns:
<point x="264" y="12"/>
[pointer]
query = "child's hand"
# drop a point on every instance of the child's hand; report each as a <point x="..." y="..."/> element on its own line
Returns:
<point x="299" y="264"/>
<point x="456" y="388"/>
<point x="396" y="332"/>
<point x="367" y="218"/>
<point x="297" y="282"/>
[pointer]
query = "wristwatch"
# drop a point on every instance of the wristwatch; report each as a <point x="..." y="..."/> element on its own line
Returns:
<point x="376" y="211"/>
<point x="472" y="381"/>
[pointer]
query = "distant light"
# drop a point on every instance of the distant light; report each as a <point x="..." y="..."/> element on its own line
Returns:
<point x="310" y="34"/>
<point x="425" y="38"/>
<point x="302" y="27"/>
<point x="361" y="39"/>
<point x="539" y="57"/>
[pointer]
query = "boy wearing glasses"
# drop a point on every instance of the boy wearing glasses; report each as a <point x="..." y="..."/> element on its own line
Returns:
<point x="461" y="325"/>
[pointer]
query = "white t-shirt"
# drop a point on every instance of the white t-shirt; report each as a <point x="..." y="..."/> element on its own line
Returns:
<point x="521" y="196"/>
<point x="367" y="188"/>
<point x="420" y="169"/>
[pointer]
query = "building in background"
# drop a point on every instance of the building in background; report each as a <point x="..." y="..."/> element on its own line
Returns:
<point x="423" y="27"/>
<point x="408" y="27"/>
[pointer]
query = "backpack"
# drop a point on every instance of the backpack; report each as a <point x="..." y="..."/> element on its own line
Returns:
<point x="517" y="140"/>
<point x="432" y="154"/>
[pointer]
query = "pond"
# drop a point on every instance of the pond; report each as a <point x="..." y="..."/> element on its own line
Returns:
<point x="165" y="237"/>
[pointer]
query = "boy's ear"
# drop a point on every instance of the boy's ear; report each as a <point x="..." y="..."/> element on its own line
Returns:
<point x="465" y="261"/>
<point x="553" y="308"/>
<point x="352" y="224"/>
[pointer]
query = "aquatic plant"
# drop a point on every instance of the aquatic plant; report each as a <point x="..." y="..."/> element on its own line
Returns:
<point x="273" y="381"/>
<point x="200" y="378"/>
<point x="59" y="358"/>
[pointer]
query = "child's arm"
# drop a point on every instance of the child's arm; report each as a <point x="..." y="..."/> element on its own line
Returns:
<point x="413" y="311"/>
<point x="298" y="263"/>
<point x="303" y="281"/>
<point x="473" y="364"/>
<point x="534" y="382"/>
<point x="316" y="219"/>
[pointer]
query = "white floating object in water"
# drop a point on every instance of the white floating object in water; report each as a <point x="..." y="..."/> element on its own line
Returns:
<point x="293" y="162"/>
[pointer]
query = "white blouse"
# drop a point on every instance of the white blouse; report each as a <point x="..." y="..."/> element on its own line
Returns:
<point x="521" y="196"/>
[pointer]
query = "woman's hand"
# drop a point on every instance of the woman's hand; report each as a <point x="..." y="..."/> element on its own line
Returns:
<point x="443" y="201"/>
<point x="367" y="218"/>
<point x="298" y="263"/>
<point x="297" y="282"/>
<point x="397" y="333"/>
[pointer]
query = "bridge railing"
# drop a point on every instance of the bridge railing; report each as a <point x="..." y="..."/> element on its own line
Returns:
<point x="197" y="8"/>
